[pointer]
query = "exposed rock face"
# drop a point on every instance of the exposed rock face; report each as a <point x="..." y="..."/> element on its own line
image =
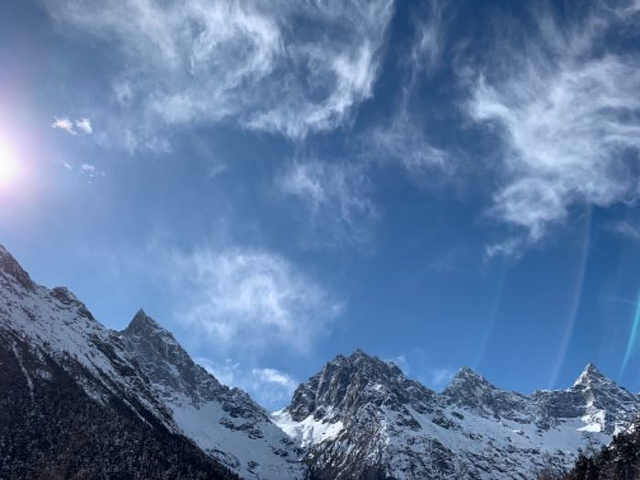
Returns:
<point x="361" y="418"/>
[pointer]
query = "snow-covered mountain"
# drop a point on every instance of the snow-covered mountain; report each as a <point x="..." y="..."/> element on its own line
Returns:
<point x="140" y="377"/>
<point x="73" y="391"/>
<point x="361" y="418"/>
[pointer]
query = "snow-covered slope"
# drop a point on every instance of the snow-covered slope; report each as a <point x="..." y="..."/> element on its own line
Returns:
<point x="361" y="418"/>
<point x="223" y="422"/>
<point x="55" y="323"/>
<point x="142" y="369"/>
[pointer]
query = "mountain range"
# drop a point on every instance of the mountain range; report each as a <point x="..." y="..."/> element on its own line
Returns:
<point x="79" y="400"/>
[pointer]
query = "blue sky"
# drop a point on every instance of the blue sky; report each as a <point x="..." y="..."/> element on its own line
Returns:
<point x="439" y="183"/>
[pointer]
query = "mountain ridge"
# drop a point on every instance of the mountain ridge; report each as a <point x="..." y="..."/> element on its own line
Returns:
<point x="358" y="418"/>
<point x="398" y="428"/>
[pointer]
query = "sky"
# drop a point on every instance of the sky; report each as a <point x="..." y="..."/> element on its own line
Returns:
<point x="440" y="183"/>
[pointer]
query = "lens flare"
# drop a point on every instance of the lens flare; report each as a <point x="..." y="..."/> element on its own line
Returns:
<point x="632" y="340"/>
<point x="576" y="300"/>
<point x="493" y="316"/>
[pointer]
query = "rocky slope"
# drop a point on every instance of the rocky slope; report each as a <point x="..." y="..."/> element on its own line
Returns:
<point x="361" y="418"/>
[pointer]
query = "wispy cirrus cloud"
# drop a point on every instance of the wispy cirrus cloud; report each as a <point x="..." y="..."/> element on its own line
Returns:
<point x="627" y="229"/>
<point x="566" y="110"/>
<point x="336" y="195"/>
<point x="431" y="31"/>
<point x="403" y="140"/>
<point x="251" y="300"/>
<point x="339" y="194"/>
<point x="204" y="62"/>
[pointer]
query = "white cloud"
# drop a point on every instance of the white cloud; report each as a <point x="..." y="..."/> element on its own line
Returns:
<point x="64" y="124"/>
<point x="84" y="125"/>
<point x="205" y="62"/>
<point x="73" y="127"/>
<point x="272" y="376"/>
<point x="251" y="300"/>
<point x="567" y="116"/>
<point x="336" y="195"/>
<point x="270" y="387"/>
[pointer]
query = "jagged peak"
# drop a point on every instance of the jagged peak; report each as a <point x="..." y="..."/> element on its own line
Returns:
<point x="360" y="360"/>
<point x="589" y="375"/>
<point x="467" y="380"/>
<point x="65" y="295"/>
<point x="359" y="356"/>
<point x="467" y="375"/>
<point x="10" y="266"/>
<point x="143" y="324"/>
<point x="360" y="353"/>
<point x="343" y="370"/>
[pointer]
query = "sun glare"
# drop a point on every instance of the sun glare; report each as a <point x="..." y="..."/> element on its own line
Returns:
<point x="8" y="164"/>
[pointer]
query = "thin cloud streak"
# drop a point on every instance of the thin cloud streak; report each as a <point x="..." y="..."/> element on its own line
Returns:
<point x="626" y="229"/>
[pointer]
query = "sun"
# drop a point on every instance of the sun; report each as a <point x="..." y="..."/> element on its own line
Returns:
<point x="8" y="163"/>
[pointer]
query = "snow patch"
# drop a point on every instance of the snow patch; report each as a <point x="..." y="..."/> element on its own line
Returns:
<point x="308" y="431"/>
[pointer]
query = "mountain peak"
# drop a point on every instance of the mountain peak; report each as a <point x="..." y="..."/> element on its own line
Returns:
<point x="467" y="376"/>
<point x="358" y="352"/>
<point x="10" y="266"/>
<point x="347" y="383"/>
<point x="589" y="375"/>
<point x="359" y="356"/>
<point x="142" y="324"/>
<point x="471" y="390"/>
<point x="360" y="361"/>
